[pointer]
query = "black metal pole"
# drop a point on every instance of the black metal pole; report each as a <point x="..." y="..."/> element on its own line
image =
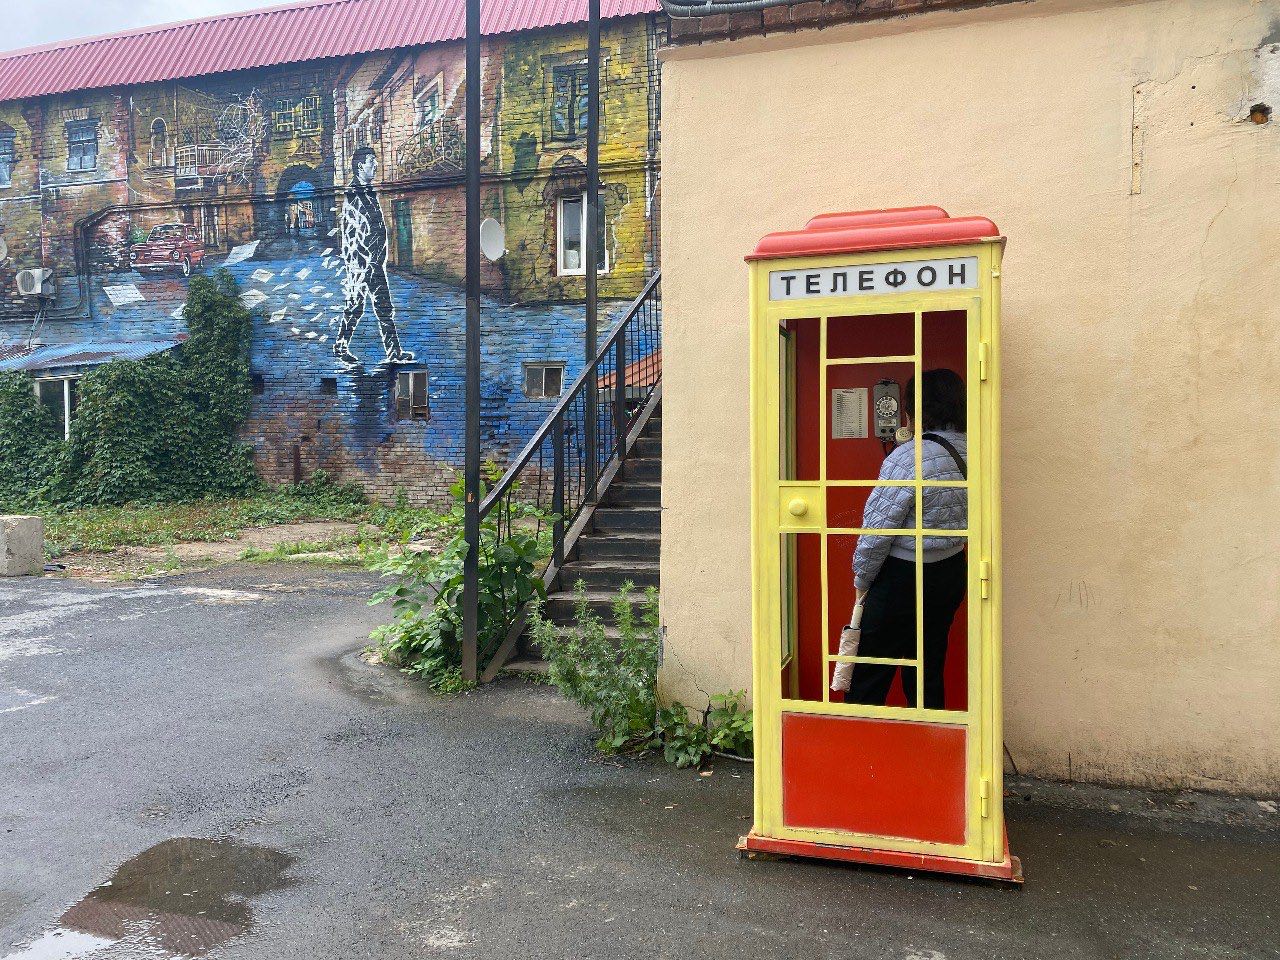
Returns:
<point x="471" y="467"/>
<point x="592" y="238"/>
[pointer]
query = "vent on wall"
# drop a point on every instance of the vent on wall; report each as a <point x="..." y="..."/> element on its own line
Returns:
<point x="849" y="414"/>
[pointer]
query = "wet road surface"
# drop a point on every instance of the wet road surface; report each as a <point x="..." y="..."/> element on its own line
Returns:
<point x="201" y="766"/>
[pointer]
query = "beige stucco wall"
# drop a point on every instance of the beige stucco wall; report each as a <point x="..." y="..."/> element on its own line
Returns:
<point x="1141" y="346"/>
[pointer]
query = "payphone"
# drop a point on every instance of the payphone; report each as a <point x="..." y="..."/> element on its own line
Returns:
<point x="847" y="317"/>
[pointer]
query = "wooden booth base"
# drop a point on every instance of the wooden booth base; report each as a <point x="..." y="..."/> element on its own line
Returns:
<point x="1008" y="871"/>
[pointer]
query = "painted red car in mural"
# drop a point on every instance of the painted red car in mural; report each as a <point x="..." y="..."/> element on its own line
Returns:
<point x="170" y="246"/>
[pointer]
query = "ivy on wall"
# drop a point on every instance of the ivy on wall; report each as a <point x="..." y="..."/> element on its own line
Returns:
<point x="156" y="429"/>
<point x="31" y="447"/>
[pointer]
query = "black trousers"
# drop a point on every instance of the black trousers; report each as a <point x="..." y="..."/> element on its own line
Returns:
<point x="889" y="629"/>
<point x="374" y="285"/>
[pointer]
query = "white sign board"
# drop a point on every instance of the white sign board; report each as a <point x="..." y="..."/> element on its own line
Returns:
<point x="908" y="276"/>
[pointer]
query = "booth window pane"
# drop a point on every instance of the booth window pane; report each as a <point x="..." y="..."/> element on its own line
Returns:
<point x="880" y="389"/>
<point x="945" y="637"/>
<point x="799" y="397"/>
<point x="884" y="670"/>
<point x="800" y="628"/>
<point x="871" y="335"/>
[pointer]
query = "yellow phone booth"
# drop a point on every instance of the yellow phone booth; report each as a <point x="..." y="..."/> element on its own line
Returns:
<point x="876" y="542"/>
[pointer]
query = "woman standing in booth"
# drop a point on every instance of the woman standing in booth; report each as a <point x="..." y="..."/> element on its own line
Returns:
<point x="884" y="566"/>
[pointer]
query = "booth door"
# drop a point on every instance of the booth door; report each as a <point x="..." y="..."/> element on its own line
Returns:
<point x="894" y="763"/>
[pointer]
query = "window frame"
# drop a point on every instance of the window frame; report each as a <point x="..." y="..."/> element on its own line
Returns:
<point x="8" y="155"/>
<point x="307" y="118"/>
<point x="70" y="399"/>
<point x="283" y="118"/>
<point x="411" y="412"/>
<point x="76" y="145"/>
<point x="432" y="92"/>
<point x="564" y="271"/>
<point x="541" y="367"/>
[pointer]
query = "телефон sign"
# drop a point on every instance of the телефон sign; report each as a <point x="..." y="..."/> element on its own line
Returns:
<point x="909" y="276"/>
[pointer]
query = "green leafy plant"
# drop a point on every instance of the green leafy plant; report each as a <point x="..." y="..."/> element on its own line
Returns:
<point x="613" y="679"/>
<point x="159" y="429"/>
<point x="684" y="742"/>
<point x="730" y="725"/>
<point x="31" y="445"/>
<point x="425" y="639"/>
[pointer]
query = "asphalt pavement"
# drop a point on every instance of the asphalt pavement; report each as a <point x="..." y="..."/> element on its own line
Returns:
<point x="203" y="766"/>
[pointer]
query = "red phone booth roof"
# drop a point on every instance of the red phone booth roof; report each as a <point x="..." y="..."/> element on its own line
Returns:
<point x="865" y="230"/>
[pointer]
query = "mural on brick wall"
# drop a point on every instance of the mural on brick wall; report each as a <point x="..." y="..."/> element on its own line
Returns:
<point x="334" y="193"/>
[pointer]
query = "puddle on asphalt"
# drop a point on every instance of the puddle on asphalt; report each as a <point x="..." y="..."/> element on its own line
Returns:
<point x="181" y="898"/>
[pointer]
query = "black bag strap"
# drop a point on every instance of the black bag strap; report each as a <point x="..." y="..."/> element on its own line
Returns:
<point x="950" y="448"/>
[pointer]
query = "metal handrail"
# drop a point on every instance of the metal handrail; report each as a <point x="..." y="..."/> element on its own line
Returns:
<point x="557" y="412"/>
<point x="579" y="449"/>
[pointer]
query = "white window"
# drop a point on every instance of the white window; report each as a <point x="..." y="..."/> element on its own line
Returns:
<point x="61" y="396"/>
<point x="411" y="401"/>
<point x="543" y="379"/>
<point x="571" y="229"/>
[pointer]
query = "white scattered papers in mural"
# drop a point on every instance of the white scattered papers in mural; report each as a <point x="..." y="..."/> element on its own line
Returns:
<point x="180" y="313"/>
<point x="241" y="253"/>
<point x="276" y="317"/>
<point x="262" y="276"/>
<point x="303" y="273"/>
<point x="121" y="293"/>
<point x="251" y="298"/>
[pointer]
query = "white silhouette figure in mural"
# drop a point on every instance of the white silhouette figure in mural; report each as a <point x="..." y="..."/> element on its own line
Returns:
<point x="364" y="256"/>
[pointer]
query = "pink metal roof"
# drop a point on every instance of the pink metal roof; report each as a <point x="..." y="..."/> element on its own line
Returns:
<point x="291" y="33"/>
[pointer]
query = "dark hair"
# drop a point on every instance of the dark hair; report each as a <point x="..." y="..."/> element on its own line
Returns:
<point x="357" y="158"/>
<point x="942" y="395"/>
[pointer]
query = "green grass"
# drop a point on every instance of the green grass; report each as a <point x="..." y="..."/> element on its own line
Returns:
<point x="309" y="550"/>
<point x="103" y="529"/>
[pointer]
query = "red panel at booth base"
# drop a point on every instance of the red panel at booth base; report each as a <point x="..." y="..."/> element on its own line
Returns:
<point x="1009" y="869"/>
<point x="887" y="778"/>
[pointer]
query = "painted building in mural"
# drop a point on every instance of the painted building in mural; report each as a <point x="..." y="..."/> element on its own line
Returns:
<point x="332" y="189"/>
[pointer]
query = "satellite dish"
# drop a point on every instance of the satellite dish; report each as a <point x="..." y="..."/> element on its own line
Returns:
<point x="493" y="239"/>
<point x="4" y="249"/>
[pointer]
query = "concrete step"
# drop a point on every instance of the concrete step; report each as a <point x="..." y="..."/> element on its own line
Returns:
<point x="635" y="546"/>
<point x="647" y="446"/>
<point x="642" y="468"/>
<point x="609" y="575"/>
<point x="626" y="520"/>
<point x="624" y="494"/>
<point x="560" y="606"/>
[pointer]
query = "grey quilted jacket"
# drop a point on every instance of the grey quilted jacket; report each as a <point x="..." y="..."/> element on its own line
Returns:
<point x="945" y="508"/>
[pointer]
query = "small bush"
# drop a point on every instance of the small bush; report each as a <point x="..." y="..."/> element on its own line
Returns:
<point x="425" y="639"/>
<point x="615" y="680"/>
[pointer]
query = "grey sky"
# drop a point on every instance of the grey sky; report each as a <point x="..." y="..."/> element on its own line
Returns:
<point x="29" y="22"/>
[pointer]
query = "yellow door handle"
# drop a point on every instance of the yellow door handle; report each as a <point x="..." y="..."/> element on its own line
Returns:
<point x="798" y="507"/>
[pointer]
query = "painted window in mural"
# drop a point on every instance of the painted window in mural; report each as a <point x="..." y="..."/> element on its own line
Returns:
<point x="572" y="228"/>
<point x="159" y="154"/>
<point x="427" y="105"/>
<point x="308" y="118"/>
<point x="282" y="118"/>
<point x="543" y="380"/>
<point x="8" y="153"/>
<point x="411" y="395"/>
<point x="61" y="397"/>
<point x="569" y="101"/>
<point x="82" y="144"/>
